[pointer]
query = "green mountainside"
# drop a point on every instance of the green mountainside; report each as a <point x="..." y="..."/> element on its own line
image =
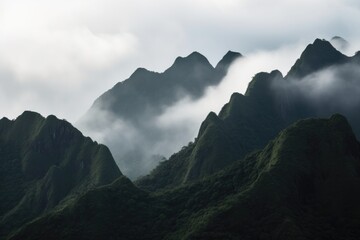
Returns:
<point x="43" y="161"/>
<point x="305" y="184"/>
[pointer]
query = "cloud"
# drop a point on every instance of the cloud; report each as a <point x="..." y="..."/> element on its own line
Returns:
<point x="76" y="50"/>
<point x="57" y="57"/>
<point x="335" y="89"/>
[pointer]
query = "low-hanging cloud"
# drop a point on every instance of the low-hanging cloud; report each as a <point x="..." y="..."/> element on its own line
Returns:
<point x="335" y="89"/>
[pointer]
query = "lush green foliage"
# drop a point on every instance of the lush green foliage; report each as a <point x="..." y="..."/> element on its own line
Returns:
<point x="305" y="184"/>
<point x="43" y="162"/>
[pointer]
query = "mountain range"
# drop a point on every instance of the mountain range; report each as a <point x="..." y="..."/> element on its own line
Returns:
<point x="305" y="184"/>
<point x="278" y="162"/>
<point x="133" y="106"/>
<point x="249" y="121"/>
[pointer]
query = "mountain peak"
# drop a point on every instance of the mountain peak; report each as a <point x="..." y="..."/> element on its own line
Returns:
<point x="140" y="72"/>
<point x="29" y="115"/>
<point x="194" y="57"/>
<point x="316" y="56"/>
<point x="260" y="84"/>
<point x="227" y="60"/>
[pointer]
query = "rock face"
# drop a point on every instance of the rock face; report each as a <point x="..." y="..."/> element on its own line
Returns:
<point x="44" y="161"/>
<point x="128" y="112"/>
<point x="305" y="184"/>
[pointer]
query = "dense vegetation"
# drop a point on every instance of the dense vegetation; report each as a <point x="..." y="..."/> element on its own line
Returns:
<point x="303" y="184"/>
<point x="43" y="161"/>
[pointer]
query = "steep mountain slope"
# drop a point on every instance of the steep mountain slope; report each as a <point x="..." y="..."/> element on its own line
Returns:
<point x="249" y="121"/>
<point x="44" y="161"/>
<point x="305" y="184"/>
<point x="128" y="112"/>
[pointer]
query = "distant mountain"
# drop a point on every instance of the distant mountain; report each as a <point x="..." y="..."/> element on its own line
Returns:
<point x="44" y="162"/>
<point x="305" y="184"/>
<point x="270" y="104"/>
<point x="134" y="104"/>
<point x="315" y="57"/>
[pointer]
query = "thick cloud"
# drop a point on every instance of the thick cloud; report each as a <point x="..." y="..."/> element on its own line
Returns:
<point x="58" y="56"/>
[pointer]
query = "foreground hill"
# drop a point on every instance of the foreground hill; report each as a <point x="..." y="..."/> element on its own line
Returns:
<point x="271" y="103"/>
<point x="305" y="184"/>
<point x="44" y="161"/>
<point x="126" y="115"/>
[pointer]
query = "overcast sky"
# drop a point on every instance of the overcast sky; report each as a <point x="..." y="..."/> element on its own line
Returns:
<point x="57" y="57"/>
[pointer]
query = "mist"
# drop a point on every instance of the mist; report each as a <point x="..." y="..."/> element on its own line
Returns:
<point x="335" y="89"/>
<point x="140" y="145"/>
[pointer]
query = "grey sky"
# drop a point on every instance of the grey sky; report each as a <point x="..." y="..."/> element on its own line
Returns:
<point x="56" y="57"/>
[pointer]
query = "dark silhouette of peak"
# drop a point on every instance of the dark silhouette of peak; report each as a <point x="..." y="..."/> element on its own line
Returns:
<point x="211" y="118"/>
<point x="194" y="63"/>
<point x="261" y="83"/>
<point x="140" y="73"/>
<point x="316" y="56"/>
<point x="194" y="57"/>
<point x="227" y="60"/>
<point x="29" y="116"/>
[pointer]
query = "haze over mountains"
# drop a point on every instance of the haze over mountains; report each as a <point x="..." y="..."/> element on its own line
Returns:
<point x="126" y="118"/>
<point x="255" y="171"/>
<point x="132" y="118"/>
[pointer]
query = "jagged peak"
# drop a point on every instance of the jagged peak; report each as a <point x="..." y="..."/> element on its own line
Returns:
<point x="276" y="73"/>
<point x="259" y="82"/>
<point x="140" y="72"/>
<point x="227" y="60"/>
<point x="29" y="116"/>
<point x="235" y="96"/>
<point x="5" y="119"/>
<point x="191" y="58"/>
<point x="210" y="119"/>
